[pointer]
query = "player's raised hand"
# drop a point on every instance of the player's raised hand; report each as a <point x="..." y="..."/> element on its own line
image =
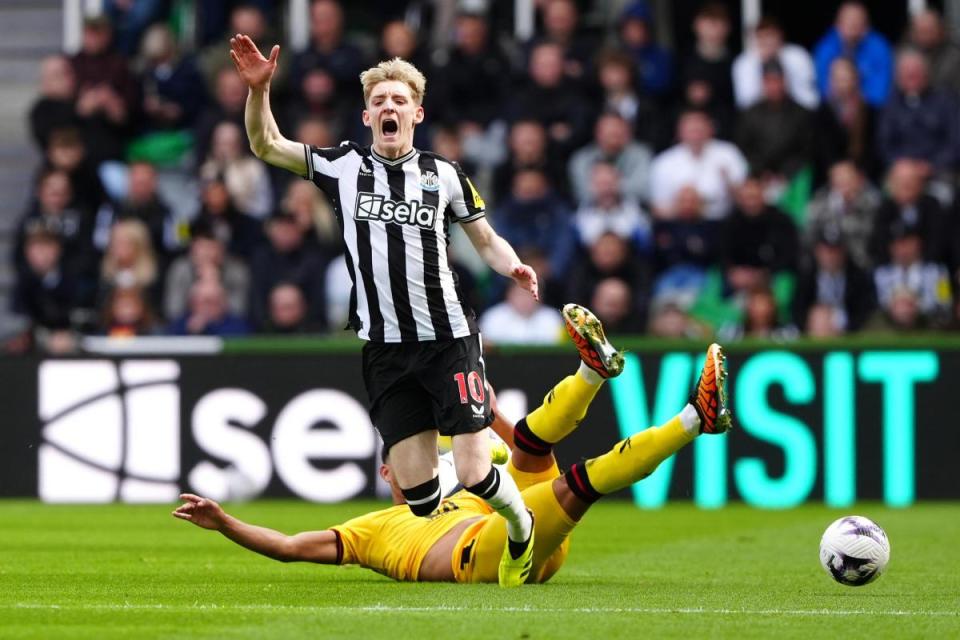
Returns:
<point x="202" y="512"/>
<point x="255" y="70"/>
<point x="526" y="277"/>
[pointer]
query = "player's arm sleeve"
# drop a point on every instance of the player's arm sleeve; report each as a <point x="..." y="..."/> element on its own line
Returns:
<point x="354" y="537"/>
<point x="324" y="162"/>
<point x="466" y="205"/>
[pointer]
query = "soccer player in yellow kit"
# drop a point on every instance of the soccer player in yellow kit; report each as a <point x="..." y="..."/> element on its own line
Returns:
<point x="462" y="541"/>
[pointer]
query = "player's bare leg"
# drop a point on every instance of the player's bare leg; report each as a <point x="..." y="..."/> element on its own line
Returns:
<point x="635" y="458"/>
<point x="415" y="464"/>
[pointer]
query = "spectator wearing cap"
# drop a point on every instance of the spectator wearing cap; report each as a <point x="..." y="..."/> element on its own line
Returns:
<point x="757" y="240"/>
<point x="852" y="37"/>
<point x="768" y="44"/>
<point x="328" y="48"/>
<point x="551" y="99"/>
<point x="845" y="125"/>
<point x="919" y="122"/>
<point x="775" y="133"/>
<point x="929" y="35"/>
<point x="710" y="60"/>
<point x="45" y="290"/>
<point x="907" y="203"/>
<point x="108" y="95"/>
<point x="174" y="91"/>
<point x="529" y="149"/>
<point x="913" y="293"/>
<point x="849" y="204"/>
<point x="613" y="144"/>
<point x="54" y="108"/>
<point x="206" y="257"/>
<point x="208" y="313"/>
<point x="286" y="258"/>
<point x="653" y="63"/>
<point x="520" y="319"/>
<point x="833" y="280"/>
<point x="609" y="209"/>
<point x="713" y="167"/>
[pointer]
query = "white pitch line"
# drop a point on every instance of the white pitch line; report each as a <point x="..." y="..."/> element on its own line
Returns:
<point x="437" y="609"/>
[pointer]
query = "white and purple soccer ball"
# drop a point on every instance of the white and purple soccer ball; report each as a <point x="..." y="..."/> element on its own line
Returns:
<point x="854" y="550"/>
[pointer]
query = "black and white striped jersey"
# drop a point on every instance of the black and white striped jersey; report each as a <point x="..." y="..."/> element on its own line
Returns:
<point x="394" y="216"/>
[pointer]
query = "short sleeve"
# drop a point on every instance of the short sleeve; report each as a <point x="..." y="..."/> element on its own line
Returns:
<point x="466" y="204"/>
<point x="322" y="161"/>
<point x="355" y="537"/>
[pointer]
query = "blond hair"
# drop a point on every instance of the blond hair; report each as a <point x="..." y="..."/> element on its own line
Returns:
<point x="144" y="269"/>
<point x="397" y="69"/>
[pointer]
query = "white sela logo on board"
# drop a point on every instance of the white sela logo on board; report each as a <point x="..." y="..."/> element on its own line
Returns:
<point x="112" y="431"/>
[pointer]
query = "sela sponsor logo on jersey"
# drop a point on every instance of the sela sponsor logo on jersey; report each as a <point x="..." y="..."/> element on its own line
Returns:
<point x="430" y="181"/>
<point x="373" y="206"/>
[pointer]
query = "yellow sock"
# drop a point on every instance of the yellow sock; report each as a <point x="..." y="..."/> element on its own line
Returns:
<point x="563" y="408"/>
<point x="636" y="457"/>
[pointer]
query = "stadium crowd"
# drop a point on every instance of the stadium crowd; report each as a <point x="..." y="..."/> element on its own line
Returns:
<point x="769" y="192"/>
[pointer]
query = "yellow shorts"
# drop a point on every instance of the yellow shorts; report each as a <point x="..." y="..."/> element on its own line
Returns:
<point x="476" y="556"/>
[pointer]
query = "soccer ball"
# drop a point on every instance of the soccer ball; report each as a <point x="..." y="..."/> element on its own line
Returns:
<point x="854" y="550"/>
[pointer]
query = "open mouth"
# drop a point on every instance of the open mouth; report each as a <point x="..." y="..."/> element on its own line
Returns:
<point x="390" y="126"/>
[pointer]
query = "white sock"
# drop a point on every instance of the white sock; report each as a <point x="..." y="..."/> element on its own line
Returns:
<point x="690" y="420"/>
<point x="503" y="495"/>
<point x="588" y="374"/>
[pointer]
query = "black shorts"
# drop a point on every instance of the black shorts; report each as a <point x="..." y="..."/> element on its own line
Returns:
<point x="418" y="386"/>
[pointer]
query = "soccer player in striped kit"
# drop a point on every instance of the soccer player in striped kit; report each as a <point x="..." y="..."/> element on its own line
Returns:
<point x="423" y="361"/>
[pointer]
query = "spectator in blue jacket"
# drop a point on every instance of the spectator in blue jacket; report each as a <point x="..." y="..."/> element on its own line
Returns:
<point x="852" y="37"/>
<point x="919" y="122"/>
<point x="534" y="217"/>
<point x="208" y="313"/>
<point x="653" y="63"/>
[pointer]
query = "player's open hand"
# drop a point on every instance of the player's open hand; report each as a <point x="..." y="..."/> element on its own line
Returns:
<point x="255" y="70"/>
<point x="526" y="277"/>
<point x="202" y="512"/>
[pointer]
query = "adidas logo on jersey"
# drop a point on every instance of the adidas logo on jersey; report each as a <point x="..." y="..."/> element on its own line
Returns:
<point x="372" y="206"/>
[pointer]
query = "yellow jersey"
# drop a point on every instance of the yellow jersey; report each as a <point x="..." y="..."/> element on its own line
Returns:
<point x="394" y="542"/>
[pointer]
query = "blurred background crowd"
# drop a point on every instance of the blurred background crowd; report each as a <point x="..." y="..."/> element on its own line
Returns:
<point x="707" y="188"/>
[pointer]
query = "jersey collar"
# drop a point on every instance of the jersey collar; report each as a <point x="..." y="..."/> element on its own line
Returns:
<point x="393" y="163"/>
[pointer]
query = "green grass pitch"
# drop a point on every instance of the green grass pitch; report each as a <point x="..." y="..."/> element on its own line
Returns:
<point x="135" y="572"/>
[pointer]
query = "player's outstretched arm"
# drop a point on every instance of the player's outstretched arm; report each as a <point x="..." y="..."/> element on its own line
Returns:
<point x="310" y="546"/>
<point x="501" y="257"/>
<point x="265" y="139"/>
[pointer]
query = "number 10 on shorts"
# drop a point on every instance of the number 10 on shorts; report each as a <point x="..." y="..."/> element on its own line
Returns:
<point x="472" y="382"/>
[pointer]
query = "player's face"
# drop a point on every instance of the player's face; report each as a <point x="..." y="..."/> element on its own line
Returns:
<point x="392" y="114"/>
<point x="395" y="493"/>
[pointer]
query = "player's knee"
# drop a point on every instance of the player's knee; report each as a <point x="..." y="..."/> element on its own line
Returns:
<point x="423" y="499"/>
